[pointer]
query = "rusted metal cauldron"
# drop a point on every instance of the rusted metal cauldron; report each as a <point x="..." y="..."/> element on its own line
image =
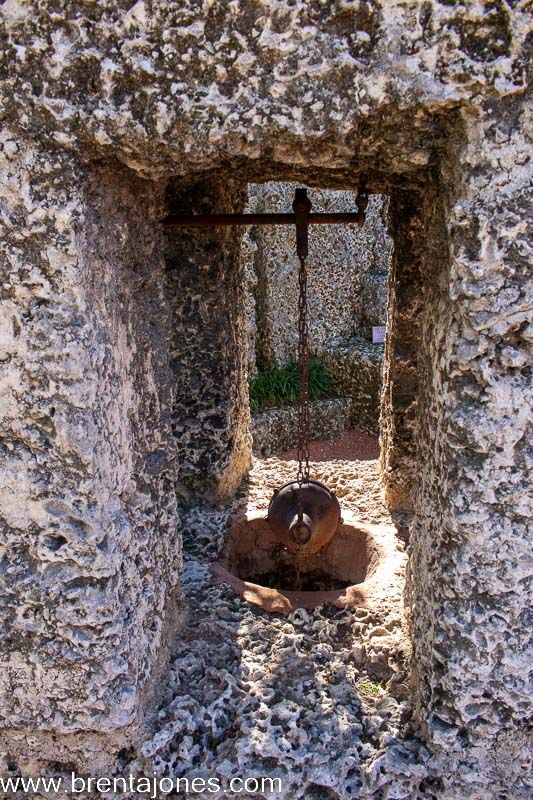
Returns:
<point x="321" y="516"/>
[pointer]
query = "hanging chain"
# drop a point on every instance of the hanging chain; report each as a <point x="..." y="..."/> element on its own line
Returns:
<point x="303" y="374"/>
<point x="301" y="208"/>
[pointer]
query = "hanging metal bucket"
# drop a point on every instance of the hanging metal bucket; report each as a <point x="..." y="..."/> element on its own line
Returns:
<point x="320" y="517"/>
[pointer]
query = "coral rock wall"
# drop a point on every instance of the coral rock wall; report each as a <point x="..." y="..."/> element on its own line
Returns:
<point x="88" y="522"/>
<point x="423" y="97"/>
<point x="205" y="291"/>
<point x="408" y="276"/>
<point x="356" y="368"/>
<point x="470" y="568"/>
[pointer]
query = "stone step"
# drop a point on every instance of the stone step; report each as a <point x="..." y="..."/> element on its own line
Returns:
<point x="355" y="366"/>
<point x="276" y="429"/>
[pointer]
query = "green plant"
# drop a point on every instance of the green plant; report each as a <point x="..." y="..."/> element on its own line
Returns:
<point x="320" y="383"/>
<point x="366" y="686"/>
<point x="279" y="386"/>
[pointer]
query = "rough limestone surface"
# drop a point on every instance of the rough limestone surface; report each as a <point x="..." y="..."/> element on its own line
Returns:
<point x="413" y="268"/>
<point x="86" y="489"/>
<point x="347" y="267"/>
<point x="318" y="699"/>
<point x="276" y="429"/>
<point x="356" y="366"/>
<point x="205" y="292"/>
<point x="472" y="510"/>
<point x="373" y="295"/>
<point x="426" y="98"/>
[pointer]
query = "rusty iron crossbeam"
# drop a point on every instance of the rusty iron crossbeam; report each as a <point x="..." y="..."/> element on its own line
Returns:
<point x="211" y="220"/>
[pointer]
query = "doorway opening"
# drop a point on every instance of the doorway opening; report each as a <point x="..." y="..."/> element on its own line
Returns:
<point x="347" y="310"/>
<point x="237" y="657"/>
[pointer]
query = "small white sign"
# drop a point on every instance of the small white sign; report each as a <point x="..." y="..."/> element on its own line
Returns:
<point x="378" y="334"/>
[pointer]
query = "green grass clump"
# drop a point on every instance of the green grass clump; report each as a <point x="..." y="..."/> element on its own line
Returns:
<point x="279" y="386"/>
<point x="366" y="686"/>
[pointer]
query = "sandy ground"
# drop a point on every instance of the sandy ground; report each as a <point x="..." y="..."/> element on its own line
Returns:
<point x="353" y="445"/>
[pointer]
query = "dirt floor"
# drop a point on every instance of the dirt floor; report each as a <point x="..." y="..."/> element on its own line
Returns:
<point x="353" y="445"/>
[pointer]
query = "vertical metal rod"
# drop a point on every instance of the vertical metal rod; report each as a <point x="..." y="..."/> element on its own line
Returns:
<point x="301" y="207"/>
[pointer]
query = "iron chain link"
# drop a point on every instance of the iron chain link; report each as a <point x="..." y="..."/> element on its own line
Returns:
<point x="303" y="373"/>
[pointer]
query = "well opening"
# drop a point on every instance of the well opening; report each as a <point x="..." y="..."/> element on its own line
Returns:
<point x="258" y="565"/>
<point x="254" y="553"/>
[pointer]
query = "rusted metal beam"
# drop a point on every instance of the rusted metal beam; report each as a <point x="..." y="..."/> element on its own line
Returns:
<point x="301" y="218"/>
<point x="212" y="220"/>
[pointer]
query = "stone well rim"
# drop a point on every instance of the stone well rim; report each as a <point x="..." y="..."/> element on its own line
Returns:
<point x="383" y="569"/>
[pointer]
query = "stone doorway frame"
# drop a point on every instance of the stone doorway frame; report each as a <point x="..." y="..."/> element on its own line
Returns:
<point x="90" y="267"/>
